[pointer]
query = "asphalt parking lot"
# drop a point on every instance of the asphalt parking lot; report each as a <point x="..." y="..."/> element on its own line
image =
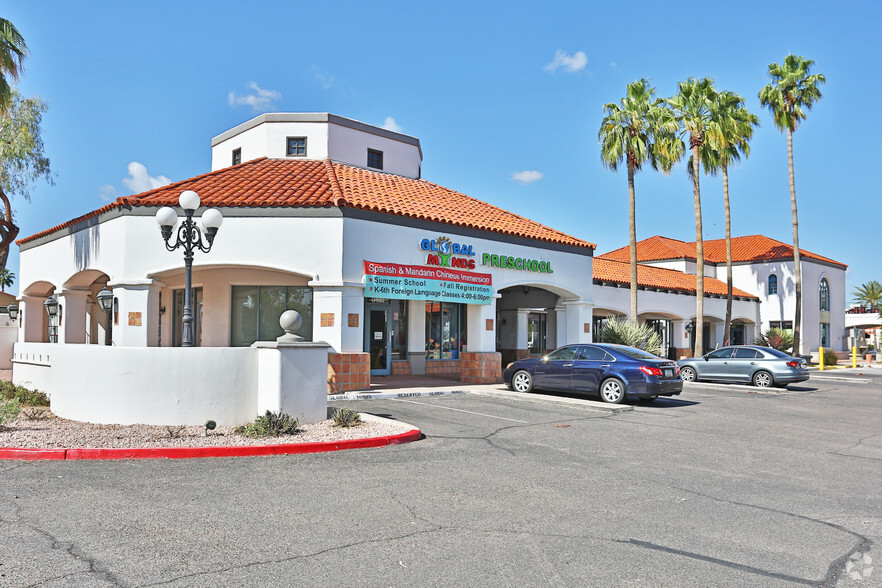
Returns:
<point x="722" y="486"/>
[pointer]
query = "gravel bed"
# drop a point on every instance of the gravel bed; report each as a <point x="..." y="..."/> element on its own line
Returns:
<point x="39" y="428"/>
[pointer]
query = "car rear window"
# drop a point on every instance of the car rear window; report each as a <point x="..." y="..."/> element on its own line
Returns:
<point x="635" y="353"/>
<point x="774" y="352"/>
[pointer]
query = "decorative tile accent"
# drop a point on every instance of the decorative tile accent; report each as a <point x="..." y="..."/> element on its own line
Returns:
<point x="489" y="326"/>
<point x="327" y="319"/>
<point x="353" y="319"/>
<point x="134" y="319"/>
<point x="587" y="327"/>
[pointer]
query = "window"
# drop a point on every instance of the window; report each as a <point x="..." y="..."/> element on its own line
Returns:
<point x="296" y="147"/>
<point x="256" y="311"/>
<point x="237" y="156"/>
<point x="445" y="330"/>
<point x="825" y="334"/>
<point x="746" y="353"/>
<point x="773" y="284"/>
<point x="564" y="353"/>
<point x="724" y="353"/>
<point x="593" y="354"/>
<point x="824" y="295"/>
<point x="784" y="325"/>
<point x="375" y="159"/>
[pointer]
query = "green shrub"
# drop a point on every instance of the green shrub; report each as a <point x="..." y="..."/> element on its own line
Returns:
<point x="271" y="424"/>
<point x="624" y="332"/>
<point x="830" y="356"/>
<point x="344" y="417"/>
<point x="9" y="409"/>
<point x="25" y="396"/>
<point x="776" y="339"/>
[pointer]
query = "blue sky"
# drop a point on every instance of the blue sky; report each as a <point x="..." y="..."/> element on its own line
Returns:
<point x="491" y="89"/>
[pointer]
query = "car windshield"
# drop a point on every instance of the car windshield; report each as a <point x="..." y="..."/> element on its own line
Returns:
<point x="635" y="353"/>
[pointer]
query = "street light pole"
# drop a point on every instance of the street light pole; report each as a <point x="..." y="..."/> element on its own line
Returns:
<point x="189" y="236"/>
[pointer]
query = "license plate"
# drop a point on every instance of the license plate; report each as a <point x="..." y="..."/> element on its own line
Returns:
<point x="669" y="373"/>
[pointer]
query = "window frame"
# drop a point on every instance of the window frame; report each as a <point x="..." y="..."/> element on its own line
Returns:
<point x="824" y="295"/>
<point x="237" y="156"/>
<point x="773" y="284"/>
<point x="377" y="154"/>
<point x="288" y="141"/>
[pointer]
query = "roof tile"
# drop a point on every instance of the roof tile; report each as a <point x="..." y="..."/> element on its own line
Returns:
<point x="310" y="183"/>
<point x="619" y="272"/>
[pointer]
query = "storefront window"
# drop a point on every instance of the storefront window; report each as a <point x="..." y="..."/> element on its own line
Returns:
<point x="399" y="329"/>
<point x="445" y="330"/>
<point x="256" y="311"/>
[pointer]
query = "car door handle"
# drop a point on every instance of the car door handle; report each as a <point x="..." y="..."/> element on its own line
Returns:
<point x="567" y="365"/>
<point x="604" y="365"/>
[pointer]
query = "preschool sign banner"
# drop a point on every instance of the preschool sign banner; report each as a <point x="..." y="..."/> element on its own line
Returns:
<point x="416" y="282"/>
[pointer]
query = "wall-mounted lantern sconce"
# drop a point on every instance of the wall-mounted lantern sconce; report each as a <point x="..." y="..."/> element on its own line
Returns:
<point x="12" y="309"/>
<point x="53" y="309"/>
<point x="689" y="329"/>
<point x="526" y="290"/>
<point x="105" y="299"/>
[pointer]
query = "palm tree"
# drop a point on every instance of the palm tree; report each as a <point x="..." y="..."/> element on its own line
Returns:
<point x="7" y="279"/>
<point x="693" y="106"/>
<point x="735" y="124"/>
<point x="13" y="50"/>
<point x="638" y="129"/>
<point x="869" y="294"/>
<point x="791" y="94"/>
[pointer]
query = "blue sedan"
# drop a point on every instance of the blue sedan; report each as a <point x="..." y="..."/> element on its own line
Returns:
<point x="615" y="372"/>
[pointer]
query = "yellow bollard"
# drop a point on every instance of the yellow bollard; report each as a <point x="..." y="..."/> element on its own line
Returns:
<point x="821" y="358"/>
<point x="854" y="357"/>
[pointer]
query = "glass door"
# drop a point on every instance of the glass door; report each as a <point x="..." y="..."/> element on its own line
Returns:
<point x="377" y="340"/>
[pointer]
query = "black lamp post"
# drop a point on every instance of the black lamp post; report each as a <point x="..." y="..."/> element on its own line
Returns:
<point x="190" y="238"/>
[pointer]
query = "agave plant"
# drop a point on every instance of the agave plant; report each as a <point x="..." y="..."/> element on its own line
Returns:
<point x="776" y="339"/>
<point x="624" y="332"/>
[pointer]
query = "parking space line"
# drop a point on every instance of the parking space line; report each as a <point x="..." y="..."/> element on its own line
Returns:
<point x="461" y="410"/>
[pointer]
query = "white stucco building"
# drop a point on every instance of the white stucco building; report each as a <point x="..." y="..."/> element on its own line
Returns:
<point x="327" y="216"/>
<point x="763" y="267"/>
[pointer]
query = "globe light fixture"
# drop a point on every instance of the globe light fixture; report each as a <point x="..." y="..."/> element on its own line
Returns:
<point x="189" y="236"/>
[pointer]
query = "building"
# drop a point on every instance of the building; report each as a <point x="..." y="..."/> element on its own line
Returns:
<point x="763" y="267"/>
<point x="327" y="216"/>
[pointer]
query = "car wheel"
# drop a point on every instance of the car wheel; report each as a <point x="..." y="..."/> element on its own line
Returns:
<point x="763" y="379"/>
<point x="687" y="374"/>
<point x="522" y="382"/>
<point x="612" y="391"/>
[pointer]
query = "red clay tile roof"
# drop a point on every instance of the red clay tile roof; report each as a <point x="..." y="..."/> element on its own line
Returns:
<point x="750" y="248"/>
<point x="309" y="183"/>
<point x="619" y="272"/>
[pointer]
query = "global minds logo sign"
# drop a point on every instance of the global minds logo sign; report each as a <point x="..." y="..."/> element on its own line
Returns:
<point x="443" y="252"/>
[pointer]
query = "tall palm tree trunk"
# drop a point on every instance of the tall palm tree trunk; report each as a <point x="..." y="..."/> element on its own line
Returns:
<point x="632" y="230"/>
<point x="8" y="230"/>
<point x="699" y="253"/>
<point x="797" y="266"/>
<point x="727" y="329"/>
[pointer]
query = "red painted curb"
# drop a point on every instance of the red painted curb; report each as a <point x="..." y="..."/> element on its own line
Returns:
<point x="192" y="452"/>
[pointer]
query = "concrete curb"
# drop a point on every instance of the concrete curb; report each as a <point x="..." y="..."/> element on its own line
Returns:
<point x="19" y="453"/>
<point x="375" y="395"/>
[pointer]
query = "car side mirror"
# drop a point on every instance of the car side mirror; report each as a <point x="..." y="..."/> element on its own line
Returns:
<point x="705" y="358"/>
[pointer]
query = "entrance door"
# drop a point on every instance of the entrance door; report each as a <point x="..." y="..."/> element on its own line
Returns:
<point x="178" y="315"/>
<point x="377" y="341"/>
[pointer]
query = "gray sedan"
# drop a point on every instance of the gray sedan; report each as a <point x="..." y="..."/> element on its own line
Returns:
<point x="760" y="366"/>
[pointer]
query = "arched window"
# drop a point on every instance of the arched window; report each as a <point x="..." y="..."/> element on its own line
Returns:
<point x="773" y="284"/>
<point x="824" y="295"/>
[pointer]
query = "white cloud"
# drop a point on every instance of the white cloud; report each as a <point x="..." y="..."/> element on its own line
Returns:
<point x="107" y="193"/>
<point x="141" y="181"/>
<point x="259" y="99"/>
<point x="528" y="176"/>
<point x="322" y="78"/>
<point x="390" y="125"/>
<point x="570" y="63"/>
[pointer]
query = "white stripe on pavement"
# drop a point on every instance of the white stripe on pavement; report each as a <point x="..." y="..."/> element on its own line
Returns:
<point x="461" y="410"/>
